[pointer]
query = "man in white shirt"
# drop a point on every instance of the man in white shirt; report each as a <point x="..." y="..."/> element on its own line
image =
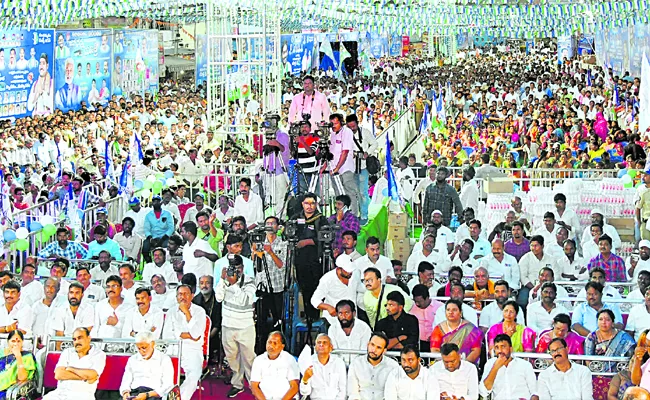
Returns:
<point x="412" y="381"/>
<point x="275" y="373"/>
<point x="147" y="318"/>
<point x="564" y="379"/>
<point x="641" y="262"/>
<point x="127" y="274"/>
<point x="159" y="266"/>
<point x="445" y="238"/>
<point x="541" y="313"/>
<point x="32" y="290"/>
<point x="44" y="309"/>
<point x="367" y="375"/>
<point x="137" y="213"/>
<point x="92" y="292"/>
<point x="78" y="369"/>
<point x="481" y="246"/>
<point x="103" y="269"/>
<point x="348" y="332"/>
<point x="149" y="371"/>
<point x="529" y="266"/>
<point x="341" y="168"/>
<point x="506" y="377"/>
<point x="457" y="378"/>
<point x="73" y="315"/>
<point x="342" y="283"/>
<point x="161" y="296"/>
<point x="198" y="255"/>
<point x="469" y="194"/>
<point x="598" y="217"/>
<point x="429" y="253"/>
<point x="187" y="322"/>
<point x="326" y="377"/>
<point x="639" y="318"/>
<point x="373" y="258"/>
<point x="14" y="313"/>
<point x="249" y="205"/>
<point x="502" y="265"/>
<point x="111" y="313"/>
<point x="493" y="312"/>
<point x="566" y="217"/>
<point x="548" y="230"/>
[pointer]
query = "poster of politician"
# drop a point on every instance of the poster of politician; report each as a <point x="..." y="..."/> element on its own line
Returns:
<point x="83" y="68"/>
<point x="26" y="71"/>
<point x="135" y="62"/>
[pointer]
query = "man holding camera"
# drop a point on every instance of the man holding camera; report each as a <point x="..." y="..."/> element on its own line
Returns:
<point x="365" y="146"/>
<point x="307" y="258"/>
<point x="341" y="168"/>
<point x="236" y="291"/>
<point x="276" y="160"/>
<point x="268" y="255"/>
<point x="309" y="102"/>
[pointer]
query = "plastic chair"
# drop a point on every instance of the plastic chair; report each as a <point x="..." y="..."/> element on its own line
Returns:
<point x="298" y="324"/>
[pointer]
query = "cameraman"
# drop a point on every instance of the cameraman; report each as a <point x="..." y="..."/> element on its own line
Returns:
<point x="274" y="149"/>
<point x="234" y="244"/>
<point x="236" y="291"/>
<point x="365" y="146"/>
<point x="272" y="252"/>
<point x="306" y="157"/>
<point x="307" y="258"/>
<point x="342" y="148"/>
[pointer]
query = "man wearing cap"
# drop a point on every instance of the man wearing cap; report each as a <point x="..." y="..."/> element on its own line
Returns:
<point x="429" y="253"/>
<point x="342" y="283"/>
<point x="639" y="263"/>
<point x="311" y="102"/>
<point x="442" y="196"/>
<point x="598" y="217"/>
<point x="158" y="225"/>
<point x="365" y="146"/>
<point x="137" y="213"/>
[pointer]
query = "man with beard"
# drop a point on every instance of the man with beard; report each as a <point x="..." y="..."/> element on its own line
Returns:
<point x="62" y="247"/>
<point x="573" y="266"/>
<point x="208" y="230"/>
<point x="455" y="275"/>
<point x="212" y="309"/>
<point x="429" y="253"/>
<point x="103" y="243"/>
<point x="367" y="375"/>
<point x="564" y="379"/>
<point x="161" y="296"/>
<point x="444" y="236"/>
<point x="503" y="230"/>
<point x="111" y="313"/>
<point x="458" y="379"/>
<point x="128" y="240"/>
<point x="147" y="318"/>
<point x="349" y="245"/>
<point x="186" y="322"/>
<point x="248" y="205"/>
<point x="541" y="313"/>
<point x="639" y="263"/>
<point x="75" y="315"/>
<point x="149" y="373"/>
<point x="198" y="256"/>
<point x="500" y="264"/>
<point x="103" y="269"/>
<point x="518" y="245"/>
<point x="307" y="255"/>
<point x="469" y="194"/>
<point x="67" y="97"/>
<point x="158" y="227"/>
<point x="350" y="332"/>
<point x="493" y="312"/>
<point x="402" y="329"/>
<point x="78" y="369"/>
<point x="326" y="377"/>
<point x="442" y="196"/>
<point x="175" y="255"/>
<point x="412" y="381"/>
<point x="507" y="377"/>
<point x="159" y="266"/>
<point x="643" y="280"/>
<point x="239" y="228"/>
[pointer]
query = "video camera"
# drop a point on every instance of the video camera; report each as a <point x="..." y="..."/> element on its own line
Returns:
<point x="326" y="234"/>
<point x="270" y="126"/>
<point x="323" y="132"/>
<point x="258" y="235"/>
<point x="294" y="129"/>
<point x="233" y="268"/>
<point x="291" y="230"/>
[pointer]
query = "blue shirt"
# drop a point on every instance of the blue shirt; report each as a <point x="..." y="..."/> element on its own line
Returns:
<point x="220" y="264"/>
<point x="158" y="227"/>
<point x="481" y="248"/>
<point x="110" y="245"/>
<point x="585" y="315"/>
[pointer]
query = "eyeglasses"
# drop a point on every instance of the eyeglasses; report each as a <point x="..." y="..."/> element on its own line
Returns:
<point x="309" y="203"/>
<point x="554" y="351"/>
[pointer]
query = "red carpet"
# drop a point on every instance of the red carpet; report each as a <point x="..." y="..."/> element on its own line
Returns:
<point x="215" y="389"/>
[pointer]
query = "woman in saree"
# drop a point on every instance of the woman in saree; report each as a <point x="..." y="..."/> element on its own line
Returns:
<point x="457" y="330"/>
<point x="523" y="338"/>
<point x="608" y="341"/>
<point x="561" y="329"/>
<point x="16" y="365"/>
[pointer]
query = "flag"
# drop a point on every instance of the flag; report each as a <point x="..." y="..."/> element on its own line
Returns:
<point x="644" y="95"/>
<point x="138" y="147"/>
<point x="425" y="123"/>
<point x="616" y="99"/>
<point x="393" y="190"/>
<point x="59" y="160"/>
<point x="109" y="169"/>
<point x="589" y="83"/>
<point x="315" y="58"/>
<point x="5" y="204"/>
<point x="326" y="48"/>
<point x="125" y="180"/>
<point x="343" y="55"/>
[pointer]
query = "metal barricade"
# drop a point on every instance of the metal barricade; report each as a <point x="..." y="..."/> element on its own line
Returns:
<point x="624" y="304"/>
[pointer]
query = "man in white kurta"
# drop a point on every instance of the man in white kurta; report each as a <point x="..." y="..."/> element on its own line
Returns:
<point x="148" y="371"/>
<point x="412" y="381"/>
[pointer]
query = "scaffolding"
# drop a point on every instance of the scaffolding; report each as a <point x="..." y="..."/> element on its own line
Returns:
<point x="243" y="61"/>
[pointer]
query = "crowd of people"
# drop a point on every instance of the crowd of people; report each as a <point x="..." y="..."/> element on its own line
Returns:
<point x="157" y="266"/>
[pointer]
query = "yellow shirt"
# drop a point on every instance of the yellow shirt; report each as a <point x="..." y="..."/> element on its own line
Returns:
<point x="644" y="205"/>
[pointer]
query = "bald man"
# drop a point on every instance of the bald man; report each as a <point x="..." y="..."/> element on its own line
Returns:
<point x="636" y="393"/>
<point x="326" y="377"/>
<point x="502" y="265"/>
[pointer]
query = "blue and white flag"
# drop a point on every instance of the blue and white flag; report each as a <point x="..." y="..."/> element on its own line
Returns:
<point x="425" y="123"/>
<point x="393" y="189"/>
<point x="109" y="171"/>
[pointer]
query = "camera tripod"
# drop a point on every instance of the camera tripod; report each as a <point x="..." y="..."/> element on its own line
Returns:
<point x="264" y="291"/>
<point x="334" y="179"/>
<point x="289" y="295"/>
<point x="270" y="161"/>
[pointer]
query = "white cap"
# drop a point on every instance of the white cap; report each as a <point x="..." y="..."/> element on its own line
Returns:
<point x="644" y="243"/>
<point x="596" y="211"/>
<point x="436" y="212"/>
<point x="345" y="262"/>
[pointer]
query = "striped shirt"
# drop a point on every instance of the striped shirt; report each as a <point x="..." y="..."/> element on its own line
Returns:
<point x="307" y="161"/>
